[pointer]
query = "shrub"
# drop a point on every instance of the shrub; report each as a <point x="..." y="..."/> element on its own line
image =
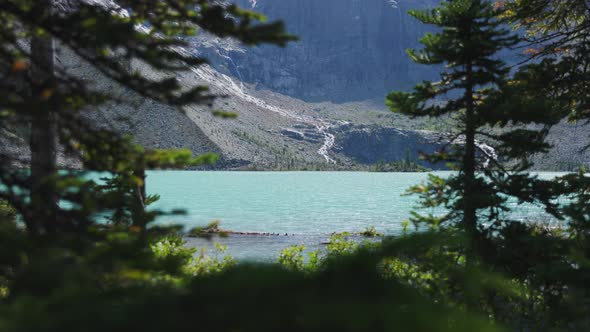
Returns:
<point x="7" y="212"/>
<point x="173" y="251"/>
<point x="371" y="232"/>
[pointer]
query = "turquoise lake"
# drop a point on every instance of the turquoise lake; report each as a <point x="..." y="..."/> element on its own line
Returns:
<point x="307" y="206"/>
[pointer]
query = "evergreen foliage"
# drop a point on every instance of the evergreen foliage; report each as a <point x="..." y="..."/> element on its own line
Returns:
<point x="476" y="90"/>
<point x="528" y="260"/>
<point x="558" y="55"/>
<point x="558" y="39"/>
<point x="64" y="268"/>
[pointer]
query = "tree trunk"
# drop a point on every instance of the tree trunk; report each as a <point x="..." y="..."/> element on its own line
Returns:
<point x="139" y="217"/>
<point x="469" y="193"/>
<point x="140" y="191"/>
<point x="43" y="138"/>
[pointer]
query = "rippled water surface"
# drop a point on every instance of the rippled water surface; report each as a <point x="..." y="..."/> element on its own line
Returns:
<point x="306" y="205"/>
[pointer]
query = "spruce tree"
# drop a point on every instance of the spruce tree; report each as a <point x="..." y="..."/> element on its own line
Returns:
<point x="50" y="101"/>
<point x="109" y="36"/>
<point x="557" y="41"/>
<point x="43" y="137"/>
<point x="558" y="48"/>
<point x="489" y="111"/>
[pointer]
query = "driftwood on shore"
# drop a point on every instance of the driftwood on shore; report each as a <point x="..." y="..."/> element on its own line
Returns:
<point x="213" y="229"/>
<point x="223" y="233"/>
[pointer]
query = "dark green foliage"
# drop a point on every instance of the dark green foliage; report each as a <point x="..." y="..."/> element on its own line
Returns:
<point x="524" y="285"/>
<point x="527" y="276"/>
<point x="476" y="90"/>
<point x="529" y="285"/>
<point x="64" y="271"/>
<point x="558" y="41"/>
<point x="558" y="34"/>
<point x="61" y="270"/>
<point x="174" y="250"/>
<point x="7" y="213"/>
<point x="107" y="38"/>
<point x="346" y="296"/>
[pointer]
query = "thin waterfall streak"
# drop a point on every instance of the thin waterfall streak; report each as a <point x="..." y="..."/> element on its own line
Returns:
<point x="227" y="85"/>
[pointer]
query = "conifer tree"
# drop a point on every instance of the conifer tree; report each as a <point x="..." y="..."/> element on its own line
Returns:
<point x="51" y="102"/>
<point x="557" y="35"/>
<point x="475" y="90"/>
<point x="43" y="138"/>
<point x="109" y="36"/>
<point x="558" y="48"/>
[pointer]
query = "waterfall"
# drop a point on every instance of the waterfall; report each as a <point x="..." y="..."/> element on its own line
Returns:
<point x="227" y="85"/>
<point x="240" y="78"/>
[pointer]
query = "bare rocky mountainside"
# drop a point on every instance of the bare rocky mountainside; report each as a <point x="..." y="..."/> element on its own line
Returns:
<point x="317" y="104"/>
<point x="350" y="50"/>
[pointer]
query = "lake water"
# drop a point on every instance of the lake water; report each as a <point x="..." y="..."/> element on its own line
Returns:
<point x="307" y="206"/>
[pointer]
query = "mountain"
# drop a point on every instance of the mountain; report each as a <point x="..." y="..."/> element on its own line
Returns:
<point x="350" y="50"/>
<point x="317" y="104"/>
<point x="354" y="51"/>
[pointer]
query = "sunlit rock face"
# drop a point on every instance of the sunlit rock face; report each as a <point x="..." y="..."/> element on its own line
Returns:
<point x="372" y="144"/>
<point x="349" y="49"/>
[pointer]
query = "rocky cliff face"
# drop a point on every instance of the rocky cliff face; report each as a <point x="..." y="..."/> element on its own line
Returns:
<point x="349" y="49"/>
<point x="372" y="144"/>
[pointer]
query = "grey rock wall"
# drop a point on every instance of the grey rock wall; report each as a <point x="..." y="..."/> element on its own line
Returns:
<point x="349" y="49"/>
<point x="372" y="144"/>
